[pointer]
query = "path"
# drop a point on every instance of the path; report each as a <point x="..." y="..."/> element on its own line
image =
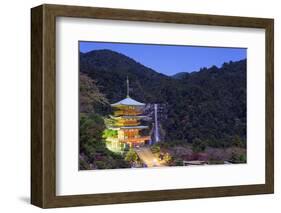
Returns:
<point x="147" y="157"/>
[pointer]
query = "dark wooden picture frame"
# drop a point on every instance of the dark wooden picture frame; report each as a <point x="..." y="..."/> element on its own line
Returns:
<point x="43" y="105"/>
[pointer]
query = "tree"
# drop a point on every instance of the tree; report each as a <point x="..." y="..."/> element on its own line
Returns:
<point x="93" y="150"/>
<point x="109" y="133"/>
<point x="131" y="156"/>
<point x="198" y="145"/>
<point x="167" y="158"/>
<point x="155" y="149"/>
<point x="236" y="141"/>
<point x="90" y="96"/>
<point x="237" y="157"/>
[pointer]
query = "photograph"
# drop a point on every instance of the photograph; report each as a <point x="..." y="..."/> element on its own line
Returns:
<point x="144" y="105"/>
<point x="161" y="105"/>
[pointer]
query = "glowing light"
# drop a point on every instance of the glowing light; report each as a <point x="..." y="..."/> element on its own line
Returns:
<point x="126" y="121"/>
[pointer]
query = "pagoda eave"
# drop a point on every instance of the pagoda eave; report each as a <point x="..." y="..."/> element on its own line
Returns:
<point x="128" y="102"/>
<point x="129" y="117"/>
<point x="127" y="127"/>
<point x="133" y="127"/>
<point x="137" y="140"/>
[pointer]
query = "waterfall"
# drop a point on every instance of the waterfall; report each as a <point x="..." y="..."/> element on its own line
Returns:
<point x="156" y="133"/>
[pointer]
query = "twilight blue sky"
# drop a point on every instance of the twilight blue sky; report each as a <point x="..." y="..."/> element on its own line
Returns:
<point x="171" y="59"/>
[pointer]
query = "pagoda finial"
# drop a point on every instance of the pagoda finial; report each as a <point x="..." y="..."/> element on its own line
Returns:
<point x="128" y="87"/>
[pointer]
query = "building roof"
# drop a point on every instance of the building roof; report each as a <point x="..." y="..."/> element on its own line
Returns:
<point x="129" y="116"/>
<point x="128" y="127"/>
<point x="128" y="102"/>
<point x="134" y="127"/>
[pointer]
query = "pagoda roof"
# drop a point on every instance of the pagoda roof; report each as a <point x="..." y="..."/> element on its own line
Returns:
<point x="129" y="116"/>
<point x="134" y="127"/>
<point x="129" y="127"/>
<point x="128" y="102"/>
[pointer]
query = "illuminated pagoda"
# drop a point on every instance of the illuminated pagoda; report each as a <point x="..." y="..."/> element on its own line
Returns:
<point x="126" y="123"/>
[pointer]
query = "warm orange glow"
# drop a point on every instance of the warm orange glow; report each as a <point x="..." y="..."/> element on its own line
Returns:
<point x="128" y="124"/>
<point x="127" y="112"/>
<point x="137" y="139"/>
<point x="131" y="133"/>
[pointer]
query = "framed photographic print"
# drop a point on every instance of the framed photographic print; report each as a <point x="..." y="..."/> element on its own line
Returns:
<point x="137" y="106"/>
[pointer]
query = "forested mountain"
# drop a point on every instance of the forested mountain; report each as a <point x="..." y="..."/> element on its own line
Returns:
<point x="110" y="70"/>
<point x="209" y="104"/>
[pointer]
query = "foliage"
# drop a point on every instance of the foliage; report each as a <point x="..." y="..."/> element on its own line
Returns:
<point x="132" y="156"/>
<point x="238" y="142"/>
<point x="93" y="151"/>
<point x="155" y="149"/>
<point x="109" y="133"/>
<point x="83" y="165"/>
<point x="242" y="158"/>
<point x="198" y="145"/>
<point x="167" y="158"/>
<point x="173" y="143"/>
<point x="178" y="163"/>
<point x="238" y="158"/>
<point x="91" y="128"/>
<point x="91" y="99"/>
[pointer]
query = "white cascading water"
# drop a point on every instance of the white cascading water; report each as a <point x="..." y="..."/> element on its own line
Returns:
<point x="156" y="133"/>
